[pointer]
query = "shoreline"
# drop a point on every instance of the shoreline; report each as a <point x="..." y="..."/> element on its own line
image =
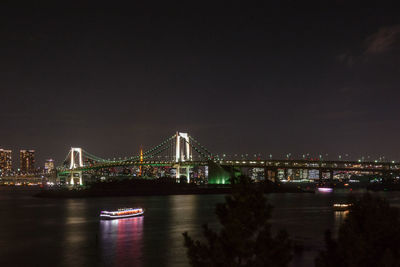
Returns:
<point x="130" y="188"/>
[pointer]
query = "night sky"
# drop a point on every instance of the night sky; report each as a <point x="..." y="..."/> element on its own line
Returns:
<point x="265" y="79"/>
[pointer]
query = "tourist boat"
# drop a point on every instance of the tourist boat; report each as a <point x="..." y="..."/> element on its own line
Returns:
<point x="121" y="213"/>
<point x="341" y="206"/>
<point x="325" y="189"/>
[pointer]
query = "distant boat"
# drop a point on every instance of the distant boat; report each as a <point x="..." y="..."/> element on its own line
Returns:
<point x="325" y="189"/>
<point x="341" y="206"/>
<point x="121" y="213"/>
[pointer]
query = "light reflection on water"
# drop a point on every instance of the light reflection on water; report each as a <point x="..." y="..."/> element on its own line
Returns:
<point x="183" y="211"/>
<point x="74" y="231"/>
<point x="339" y="217"/>
<point x="52" y="232"/>
<point x="123" y="239"/>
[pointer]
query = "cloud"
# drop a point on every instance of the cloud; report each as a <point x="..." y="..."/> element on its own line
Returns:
<point x="346" y="58"/>
<point x="384" y="40"/>
<point x="378" y="44"/>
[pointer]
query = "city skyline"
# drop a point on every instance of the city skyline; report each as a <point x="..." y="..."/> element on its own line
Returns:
<point x="267" y="79"/>
<point x="235" y="133"/>
<point x="16" y="165"/>
<point x="21" y="160"/>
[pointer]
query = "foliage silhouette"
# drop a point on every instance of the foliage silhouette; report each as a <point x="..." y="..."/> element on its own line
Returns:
<point x="369" y="236"/>
<point x="245" y="237"/>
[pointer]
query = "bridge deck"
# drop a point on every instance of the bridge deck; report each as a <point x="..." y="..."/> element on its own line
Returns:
<point x="269" y="164"/>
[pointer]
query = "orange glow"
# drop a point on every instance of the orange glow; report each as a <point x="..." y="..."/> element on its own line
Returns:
<point x="141" y="160"/>
<point x="129" y="212"/>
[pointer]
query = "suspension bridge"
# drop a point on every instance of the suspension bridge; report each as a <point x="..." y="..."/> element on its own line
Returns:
<point x="182" y="152"/>
<point x="176" y="151"/>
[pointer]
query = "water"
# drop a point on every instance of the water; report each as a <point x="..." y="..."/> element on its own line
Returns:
<point x="53" y="232"/>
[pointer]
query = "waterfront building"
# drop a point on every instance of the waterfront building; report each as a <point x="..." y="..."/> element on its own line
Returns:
<point x="27" y="161"/>
<point x="5" y="161"/>
<point x="257" y="174"/>
<point x="48" y="166"/>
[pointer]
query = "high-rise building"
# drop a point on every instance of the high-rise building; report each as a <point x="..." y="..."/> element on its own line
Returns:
<point x="5" y="161"/>
<point x="49" y="166"/>
<point x="27" y="161"/>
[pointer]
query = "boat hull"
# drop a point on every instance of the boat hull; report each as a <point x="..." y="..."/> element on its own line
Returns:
<point x="112" y="217"/>
<point x="342" y="207"/>
<point x="325" y="189"/>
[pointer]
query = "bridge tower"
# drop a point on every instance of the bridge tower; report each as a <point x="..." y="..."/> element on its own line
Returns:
<point x="76" y="161"/>
<point x="76" y="154"/>
<point x="185" y="153"/>
<point x="182" y="153"/>
<point x="141" y="161"/>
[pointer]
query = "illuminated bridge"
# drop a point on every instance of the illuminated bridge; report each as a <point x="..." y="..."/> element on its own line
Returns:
<point x="182" y="152"/>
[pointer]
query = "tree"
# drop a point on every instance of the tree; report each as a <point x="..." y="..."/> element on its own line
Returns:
<point x="369" y="236"/>
<point x="245" y="237"/>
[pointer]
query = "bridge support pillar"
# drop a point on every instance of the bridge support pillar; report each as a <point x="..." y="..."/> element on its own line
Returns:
<point x="178" y="172"/>
<point x="73" y="177"/>
<point x="187" y="174"/>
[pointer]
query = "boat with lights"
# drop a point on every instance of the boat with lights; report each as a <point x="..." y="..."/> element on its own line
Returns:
<point x="325" y="187"/>
<point x="121" y="213"/>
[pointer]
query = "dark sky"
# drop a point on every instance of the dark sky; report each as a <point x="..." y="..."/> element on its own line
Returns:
<point x="239" y="78"/>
